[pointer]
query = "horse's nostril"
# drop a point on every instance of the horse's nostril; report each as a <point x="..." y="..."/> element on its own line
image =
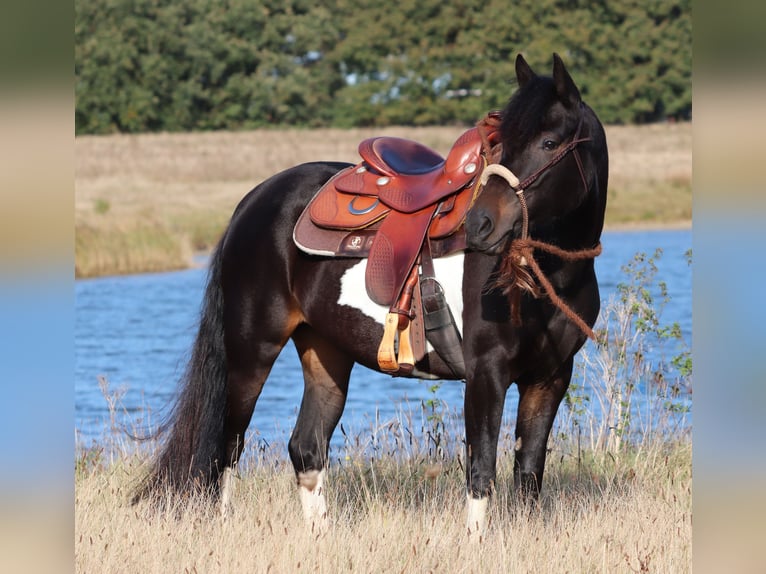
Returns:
<point x="485" y="227"/>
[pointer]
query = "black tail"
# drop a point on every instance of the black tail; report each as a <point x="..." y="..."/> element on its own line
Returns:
<point x="193" y="451"/>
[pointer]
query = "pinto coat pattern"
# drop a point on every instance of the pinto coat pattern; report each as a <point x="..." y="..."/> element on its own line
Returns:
<point x="262" y="291"/>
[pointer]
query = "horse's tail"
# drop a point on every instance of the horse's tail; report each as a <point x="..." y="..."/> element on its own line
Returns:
<point x="192" y="452"/>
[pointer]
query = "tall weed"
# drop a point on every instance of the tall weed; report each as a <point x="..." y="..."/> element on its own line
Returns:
<point x="634" y="385"/>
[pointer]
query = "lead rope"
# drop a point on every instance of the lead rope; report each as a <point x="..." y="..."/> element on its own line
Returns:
<point x="523" y="249"/>
<point x="513" y="270"/>
<point x="513" y="181"/>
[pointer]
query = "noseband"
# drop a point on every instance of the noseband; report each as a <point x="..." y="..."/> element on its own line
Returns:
<point x="514" y="273"/>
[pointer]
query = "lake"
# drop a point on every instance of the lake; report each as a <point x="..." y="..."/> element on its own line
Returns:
<point x="136" y="331"/>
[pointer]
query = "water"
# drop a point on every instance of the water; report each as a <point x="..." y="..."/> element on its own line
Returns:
<point x="136" y="332"/>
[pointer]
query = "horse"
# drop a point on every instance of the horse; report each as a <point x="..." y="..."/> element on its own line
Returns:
<point x="522" y="317"/>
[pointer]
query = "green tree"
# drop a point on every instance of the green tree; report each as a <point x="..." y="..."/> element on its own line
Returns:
<point x="202" y="64"/>
<point x="149" y="65"/>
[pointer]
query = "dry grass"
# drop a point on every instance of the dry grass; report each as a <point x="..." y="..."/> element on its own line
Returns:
<point x="650" y="175"/>
<point x="138" y="192"/>
<point x="603" y="516"/>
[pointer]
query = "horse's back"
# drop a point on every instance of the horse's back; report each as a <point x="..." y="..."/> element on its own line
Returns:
<point x="260" y="230"/>
<point x="281" y="196"/>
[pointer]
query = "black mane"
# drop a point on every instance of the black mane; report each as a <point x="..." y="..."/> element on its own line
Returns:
<point x="523" y="116"/>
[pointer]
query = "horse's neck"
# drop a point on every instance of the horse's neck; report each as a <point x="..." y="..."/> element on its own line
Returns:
<point x="573" y="234"/>
<point x="581" y="228"/>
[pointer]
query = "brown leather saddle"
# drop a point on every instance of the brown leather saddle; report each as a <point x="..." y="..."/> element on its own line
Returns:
<point x="401" y="205"/>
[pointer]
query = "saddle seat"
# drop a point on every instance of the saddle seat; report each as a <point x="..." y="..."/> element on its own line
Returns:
<point x="407" y="176"/>
<point x="397" y="156"/>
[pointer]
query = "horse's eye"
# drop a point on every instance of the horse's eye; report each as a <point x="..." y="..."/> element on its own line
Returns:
<point x="550" y="145"/>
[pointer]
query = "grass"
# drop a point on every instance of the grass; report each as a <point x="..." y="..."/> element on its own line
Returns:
<point x="650" y="177"/>
<point x="127" y="247"/>
<point x="147" y="202"/>
<point x="401" y="512"/>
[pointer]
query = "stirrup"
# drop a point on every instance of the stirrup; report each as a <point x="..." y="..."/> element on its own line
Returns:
<point x="386" y="352"/>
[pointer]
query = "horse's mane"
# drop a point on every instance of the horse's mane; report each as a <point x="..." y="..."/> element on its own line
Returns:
<point x="524" y="113"/>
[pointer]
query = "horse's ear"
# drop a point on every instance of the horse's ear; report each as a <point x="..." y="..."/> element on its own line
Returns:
<point x="523" y="72"/>
<point x="565" y="86"/>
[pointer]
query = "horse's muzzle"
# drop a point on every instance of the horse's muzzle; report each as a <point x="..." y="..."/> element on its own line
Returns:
<point x="482" y="233"/>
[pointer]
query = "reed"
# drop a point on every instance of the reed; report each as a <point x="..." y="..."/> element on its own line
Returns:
<point x="124" y="248"/>
<point x="147" y="202"/>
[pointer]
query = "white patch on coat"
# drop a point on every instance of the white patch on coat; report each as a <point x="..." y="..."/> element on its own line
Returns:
<point x="449" y="273"/>
<point x="353" y="293"/>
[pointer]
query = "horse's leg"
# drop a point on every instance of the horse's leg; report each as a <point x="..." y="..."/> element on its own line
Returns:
<point x="326" y="372"/>
<point x="253" y="342"/>
<point x="244" y="388"/>
<point x="538" y="405"/>
<point x="484" y="398"/>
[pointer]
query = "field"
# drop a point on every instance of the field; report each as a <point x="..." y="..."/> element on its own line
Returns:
<point x="617" y="493"/>
<point x="148" y="202"/>
<point x="401" y="512"/>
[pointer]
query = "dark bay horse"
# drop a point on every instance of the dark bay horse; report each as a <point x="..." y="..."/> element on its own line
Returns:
<point x="262" y="290"/>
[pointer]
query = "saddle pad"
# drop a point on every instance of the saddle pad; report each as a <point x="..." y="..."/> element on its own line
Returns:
<point x="315" y="240"/>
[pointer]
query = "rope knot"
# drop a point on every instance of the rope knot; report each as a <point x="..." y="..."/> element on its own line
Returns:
<point x="520" y="273"/>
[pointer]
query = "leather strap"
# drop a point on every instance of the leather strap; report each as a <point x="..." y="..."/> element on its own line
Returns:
<point x="439" y="323"/>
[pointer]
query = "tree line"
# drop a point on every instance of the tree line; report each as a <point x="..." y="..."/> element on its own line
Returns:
<point x="183" y="65"/>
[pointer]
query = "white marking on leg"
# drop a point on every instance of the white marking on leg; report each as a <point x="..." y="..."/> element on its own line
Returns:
<point x="225" y="487"/>
<point x="449" y="273"/>
<point x="476" y="517"/>
<point x="311" y="493"/>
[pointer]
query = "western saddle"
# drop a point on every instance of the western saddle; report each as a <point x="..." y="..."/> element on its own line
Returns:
<point x="400" y="206"/>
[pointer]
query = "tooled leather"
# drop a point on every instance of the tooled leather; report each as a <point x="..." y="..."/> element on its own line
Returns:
<point x="408" y="193"/>
<point x="330" y="207"/>
<point x="404" y="207"/>
<point x="403" y="235"/>
<point x="379" y="275"/>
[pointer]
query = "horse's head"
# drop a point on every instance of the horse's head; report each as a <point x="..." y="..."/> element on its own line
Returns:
<point x="553" y="146"/>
